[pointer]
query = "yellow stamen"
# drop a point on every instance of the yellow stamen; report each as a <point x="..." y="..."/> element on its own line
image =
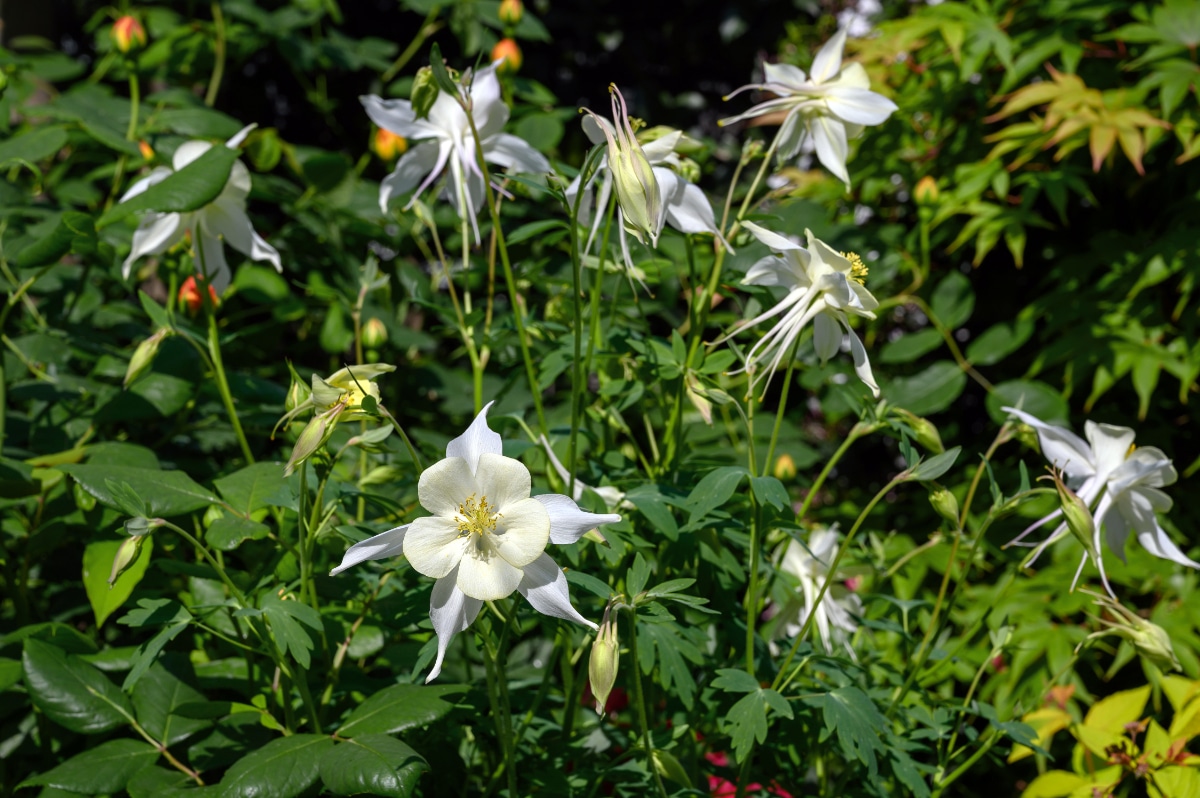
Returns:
<point x="858" y="269"/>
<point x="478" y="517"/>
<point x="1132" y="446"/>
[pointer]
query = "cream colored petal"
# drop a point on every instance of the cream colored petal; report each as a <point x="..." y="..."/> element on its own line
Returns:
<point x="434" y="545"/>
<point x="544" y="585"/>
<point x="483" y="574"/>
<point x="384" y="545"/>
<point x="445" y="485"/>
<point x="451" y="612"/>
<point x="477" y="440"/>
<point x="503" y="480"/>
<point x="522" y="531"/>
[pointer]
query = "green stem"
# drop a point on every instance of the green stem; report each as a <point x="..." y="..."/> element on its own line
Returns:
<point x="859" y="430"/>
<point x="429" y="27"/>
<point x="752" y="587"/>
<point x="214" y="354"/>
<point x="214" y="83"/>
<point x="783" y="397"/>
<point x="233" y="589"/>
<point x="412" y="452"/>
<point x="639" y="700"/>
<point x="500" y="709"/>
<point x="993" y="738"/>
<point x="135" y="96"/>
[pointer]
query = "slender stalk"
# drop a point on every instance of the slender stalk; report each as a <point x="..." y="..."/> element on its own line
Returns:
<point x="214" y="83"/>
<point x="429" y="27"/>
<point x="234" y="590"/>
<point x="992" y="738"/>
<point x="752" y="587"/>
<point x="214" y="353"/>
<point x="412" y="452"/>
<point x="639" y="700"/>
<point x="859" y="430"/>
<point x="500" y="710"/>
<point x="783" y="397"/>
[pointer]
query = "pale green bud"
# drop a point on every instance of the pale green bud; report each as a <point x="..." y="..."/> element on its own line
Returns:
<point x="1076" y="514"/>
<point x="669" y="767"/>
<point x="313" y="437"/>
<point x="374" y="333"/>
<point x="605" y="659"/>
<point x="1150" y="639"/>
<point x="688" y="169"/>
<point x="127" y="554"/>
<point x="944" y="504"/>
<point x="633" y="178"/>
<point x="924" y="432"/>
<point x="424" y="92"/>
<point x="697" y="396"/>
<point x="143" y="356"/>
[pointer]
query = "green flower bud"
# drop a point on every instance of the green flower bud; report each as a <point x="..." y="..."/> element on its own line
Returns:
<point x="1076" y="514"/>
<point x="510" y="11"/>
<point x="944" y="504"/>
<point x="926" y="191"/>
<point x="605" y="659"/>
<point x="424" y="92"/>
<point x="374" y="333"/>
<point x="143" y="356"/>
<point x="923" y="430"/>
<point x="313" y="437"/>
<point x="1150" y="639"/>
<point x="637" y="188"/>
<point x="785" y="468"/>
<point x="688" y="169"/>
<point x="669" y="768"/>
<point x="127" y="554"/>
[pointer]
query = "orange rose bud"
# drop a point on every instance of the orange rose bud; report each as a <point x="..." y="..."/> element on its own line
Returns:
<point x="388" y="145"/>
<point x="189" y="296"/>
<point x="128" y="34"/>
<point x="508" y="50"/>
<point x="511" y="11"/>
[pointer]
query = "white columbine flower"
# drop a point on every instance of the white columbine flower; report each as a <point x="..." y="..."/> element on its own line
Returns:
<point x="810" y="568"/>
<point x="681" y="203"/>
<point x="224" y="218"/>
<point x="486" y="536"/>
<point x="444" y="137"/>
<point x="823" y="286"/>
<point x="832" y="104"/>
<point x="1118" y="482"/>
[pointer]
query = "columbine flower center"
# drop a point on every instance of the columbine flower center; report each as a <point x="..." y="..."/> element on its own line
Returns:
<point x="858" y="269"/>
<point x="477" y="516"/>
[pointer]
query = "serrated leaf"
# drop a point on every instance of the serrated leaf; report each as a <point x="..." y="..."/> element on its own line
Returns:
<point x="71" y="692"/>
<point x="851" y="714"/>
<point x="398" y="708"/>
<point x="288" y="620"/>
<point x="107" y="768"/>
<point x="283" y="768"/>
<point x="713" y="491"/>
<point x="373" y="764"/>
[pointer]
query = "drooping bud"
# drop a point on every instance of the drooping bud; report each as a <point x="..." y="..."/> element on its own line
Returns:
<point x="1150" y="639"/>
<point x="424" y="92"/>
<point x="190" y="297"/>
<point x="143" y="356"/>
<point x="508" y="53"/>
<point x="944" y="504"/>
<point x="1077" y="515"/>
<point x="923" y="430"/>
<point x="511" y="11"/>
<point x="127" y="554"/>
<point x="637" y="188"/>
<point x="128" y="34"/>
<point x="374" y="333"/>
<point x="926" y="191"/>
<point x="785" y="468"/>
<point x="669" y="767"/>
<point x="313" y="437"/>
<point x="696" y="395"/>
<point x="388" y="145"/>
<point x="605" y="659"/>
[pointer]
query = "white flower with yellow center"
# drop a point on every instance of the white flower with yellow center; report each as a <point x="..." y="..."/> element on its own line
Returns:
<point x="486" y="537"/>
<point x="823" y="286"/>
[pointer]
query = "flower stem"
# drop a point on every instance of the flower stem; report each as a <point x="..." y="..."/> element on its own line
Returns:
<point x="857" y="431"/>
<point x="639" y="700"/>
<point x="214" y="354"/>
<point x="501" y="711"/>
<point x="783" y="397"/>
<point x="412" y="452"/>
<point x="214" y="83"/>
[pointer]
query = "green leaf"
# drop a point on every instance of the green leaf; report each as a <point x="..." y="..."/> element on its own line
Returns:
<point x="1000" y="341"/>
<point x="160" y="782"/>
<point x="160" y="693"/>
<point x="850" y="713"/>
<point x="929" y="391"/>
<point x="283" y="768"/>
<point x="712" y="491"/>
<point x="250" y="488"/>
<point x="33" y="146"/>
<point x="230" y="531"/>
<point x="71" y="692"/>
<point x="534" y="230"/>
<point x="288" y="619"/>
<point x="543" y="131"/>
<point x="934" y="467"/>
<point x="374" y="764"/>
<point x="97" y="566"/>
<point x="1032" y="396"/>
<point x="189" y="189"/>
<point x="106" y="768"/>
<point x="769" y="490"/>
<point x="152" y="612"/>
<point x="735" y="681"/>
<point x="398" y="708"/>
<point x="638" y="575"/>
<point x="166" y="493"/>
<point x="60" y="635"/>
<point x="910" y="346"/>
<point x="953" y="300"/>
<point x="75" y="232"/>
<point x="199" y="123"/>
<point x="671" y="645"/>
<point x="10" y="673"/>
<point x="746" y="720"/>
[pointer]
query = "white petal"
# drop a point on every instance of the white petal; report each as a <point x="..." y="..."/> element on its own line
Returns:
<point x="827" y="336"/>
<point x="522" y="532"/>
<point x="210" y="257"/>
<point x="157" y="175"/>
<point x="503" y="480"/>
<point x="785" y="75"/>
<point x="1116" y="528"/>
<point x="829" y="135"/>
<point x="545" y="587"/>
<point x="237" y="187"/>
<point x="514" y="154"/>
<point x="568" y="523"/>
<point x="477" y="440"/>
<point x="445" y="485"/>
<point x="781" y="270"/>
<point x="240" y="136"/>
<point x="434" y="546"/>
<point x="489" y="110"/>
<point x="451" y="612"/>
<point x="157" y="233"/>
<point x="419" y="162"/>
<point x="384" y="545"/>
<point x="188" y="152"/>
<point x="485" y="575"/>
<point x="775" y="241"/>
<point x="859" y="106"/>
<point x="555" y="463"/>
<point x="688" y="210"/>
<point x="1142" y="469"/>
<point x="395" y="116"/>
<point x="1061" y="447"/>
<point x="829" y="58"/>
<point x="790" y="135"/>
<point x="662" y="148"/>
<point x="1157" y="543"/>
<point x="233" y="224"/>
<point x="862" y="365"/>
<point x="1110" y="444"/>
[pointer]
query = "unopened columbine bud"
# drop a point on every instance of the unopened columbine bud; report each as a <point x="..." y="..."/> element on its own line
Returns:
<point x="669" y="767"/>
<point x="388" y="145"/>
<point x="696" y="395"/>
<point x="752" y="150"/>
<point x="312" y="438"/>
<point x="511" y="11"/>
<point x="925" y="433"/>
<point x="128" y="34"/>
<point x="926" y="191"/>
<point x="508" y="53"/>
<point x="1077" y="515"/>
<point x="605" y="659"/>
<point x="785" y="468"/>
<point x="127" y="554"/>
<point x="637" y="188"/>
<point x="143" y="356"/>
<point x="424" y="92"/>
<point x="944" y="504"/>
<point x="1152" y="642"/>
<point x="190" y="298"/>
<point x="374" y="333"/>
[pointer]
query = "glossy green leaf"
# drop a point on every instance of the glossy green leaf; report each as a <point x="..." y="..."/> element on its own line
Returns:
<point x="230" y="531"/>
<point x="33" y="146"/>
<point x="283" y="768"/>
<point x="933" y="467"/>
<point x="910" y="346"/>
<point x="166" y="493"/>
<point x="75" y="232"/>
<point x="953" y="300"/>
<point x="999" y="341"/>
<point x="162" y="691"/>
<point x="399" y="707"/>
<point x="189" y="189"/>
<point x="97" y="567"/>
<point x="929" y="391"/>
<point x="107" y="768"/>
<point x="250" y="488"/>
<point x="71" y="692"/>
<point x="1032" y="396"/>
<point x="372" y="764"/>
